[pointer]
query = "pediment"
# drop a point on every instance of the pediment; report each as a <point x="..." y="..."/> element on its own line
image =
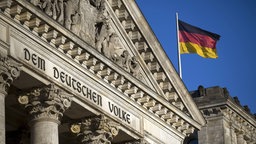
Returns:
<point x="92" y="22"/>
<point x="116" y="44"/>
<point x="152" y="58"/>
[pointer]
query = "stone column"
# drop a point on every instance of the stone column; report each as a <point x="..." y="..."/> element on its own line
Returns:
<point x="95" y="130"/>
<point x="9" y="70"/>
<point x="46" y="106"/>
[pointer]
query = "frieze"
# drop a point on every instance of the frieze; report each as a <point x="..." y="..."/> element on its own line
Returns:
<point x="75" y="84"/>
<point x="237" y="122"/>
<point x="78" y="86"/>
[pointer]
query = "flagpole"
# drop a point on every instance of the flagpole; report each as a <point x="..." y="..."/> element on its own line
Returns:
<point x="178" y="46"/>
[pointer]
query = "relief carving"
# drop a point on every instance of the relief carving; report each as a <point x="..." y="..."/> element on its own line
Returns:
<point x="71" y="10"/>
<point x="46" y="102"/>
<point x="141" y="141"/>
<point x="130" y="64"/>
<point x="53" y="8"/>
<point x="103" y="35"/>
<point x="95" y="130"/>
<point x="89" y="16"/>
<point x="90" y="20"/>
<point x="9" y="71"/>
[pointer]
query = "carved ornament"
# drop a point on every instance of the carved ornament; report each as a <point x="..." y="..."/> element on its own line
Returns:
<point x="46" y="102"/>
<point x="141" y="141"/>
<point x="9" y="71"/>
<point x="90" y="20"/>
<point x="74" y="49"/>
<point x="96" y="130"/>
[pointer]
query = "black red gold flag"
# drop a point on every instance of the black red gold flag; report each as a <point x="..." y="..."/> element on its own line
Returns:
<point x="196" y="40"/>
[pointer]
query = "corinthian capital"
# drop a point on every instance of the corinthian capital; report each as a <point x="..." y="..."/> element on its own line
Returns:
<point x="96" y="130"/>
<point x="9" y="70"/>
<point x="46" y="102"/>
<point x="140" y="141"/>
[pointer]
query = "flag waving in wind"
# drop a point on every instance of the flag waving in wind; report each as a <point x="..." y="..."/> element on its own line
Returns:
<point x="195" y="40"/>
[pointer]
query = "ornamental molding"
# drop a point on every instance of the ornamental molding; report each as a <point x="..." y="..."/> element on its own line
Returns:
<point x="235" y="120"/>
<point x="95" y="130"/>
<point x="90" y="20"/>
<point x="9" y="71"/>
<point x="168" y="108"/>
<point x="47" y="102"/>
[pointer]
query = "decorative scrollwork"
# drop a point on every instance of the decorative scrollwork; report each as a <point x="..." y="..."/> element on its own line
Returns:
<point x="47" y="102"/>
<point x="95" y="130"/>
<point x="75" y="128"/>
<point x="9" y="71"/>
<point x="23" y="100"/>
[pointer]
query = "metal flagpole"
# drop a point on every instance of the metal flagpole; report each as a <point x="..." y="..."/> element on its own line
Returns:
<point x="178" y="45"/>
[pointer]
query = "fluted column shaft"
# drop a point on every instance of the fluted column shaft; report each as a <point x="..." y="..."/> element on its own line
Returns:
<point x="9" y="70"/>
<point x="2" y="118"/>
<point x="46" y="106"/>
<point x="44" y="132"/>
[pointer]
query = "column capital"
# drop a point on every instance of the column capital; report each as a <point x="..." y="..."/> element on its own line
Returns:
<point x="140" y="141"/>
<point x="95" y="130"/>
<point x="9" y="70"/>
<point x="47" y="102"/>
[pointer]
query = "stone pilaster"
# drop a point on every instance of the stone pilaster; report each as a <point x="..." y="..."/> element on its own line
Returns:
<point x="233" y="135"/>
<point x="46" y="106"/>
<point x="240" y="138"/>
<point x="9" y="70"/>
<point x="227" y="132"/>
<point x="95" y="130"/>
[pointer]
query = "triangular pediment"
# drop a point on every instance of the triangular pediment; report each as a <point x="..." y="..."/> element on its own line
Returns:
<point x="125" y="38"/>
<point x="153" y="60"/>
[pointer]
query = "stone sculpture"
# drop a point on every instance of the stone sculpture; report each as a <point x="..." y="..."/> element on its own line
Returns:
<point x="90" y="20"/>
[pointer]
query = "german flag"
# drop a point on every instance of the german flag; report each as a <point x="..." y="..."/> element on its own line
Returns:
<point x="196" y="40"/>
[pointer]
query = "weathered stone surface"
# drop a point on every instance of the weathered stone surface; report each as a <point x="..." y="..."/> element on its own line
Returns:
<point x="46" y="103"/>
<point x="45" y="106"/>
<point x="44" y="132"/>
<point x="227" y="121"/>
<point x="9" y="71"/>
<point x="96" y="130"/>
<point x="114" y="28"/>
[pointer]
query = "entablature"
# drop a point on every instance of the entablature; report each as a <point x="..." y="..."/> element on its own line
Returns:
<point x="237" y="119"/>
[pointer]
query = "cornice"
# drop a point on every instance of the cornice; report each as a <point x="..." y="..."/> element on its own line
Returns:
<point x="159" y="57"/>
<point x="239" y="111"/>
<point x="234" y="115"/>
<point x="239" y="122"/>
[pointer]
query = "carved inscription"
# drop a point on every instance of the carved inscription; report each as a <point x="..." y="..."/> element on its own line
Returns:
<point x="117" y="111"/>
<point x="35" y="59"/>
<point x="77" y="86"/>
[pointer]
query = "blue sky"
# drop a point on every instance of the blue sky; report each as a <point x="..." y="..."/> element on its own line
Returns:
<point x="234" y="21"/>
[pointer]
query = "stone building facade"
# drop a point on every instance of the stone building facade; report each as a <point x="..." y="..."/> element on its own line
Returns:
<point x="227" y="121"/>
<point x="87" y="71"/>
